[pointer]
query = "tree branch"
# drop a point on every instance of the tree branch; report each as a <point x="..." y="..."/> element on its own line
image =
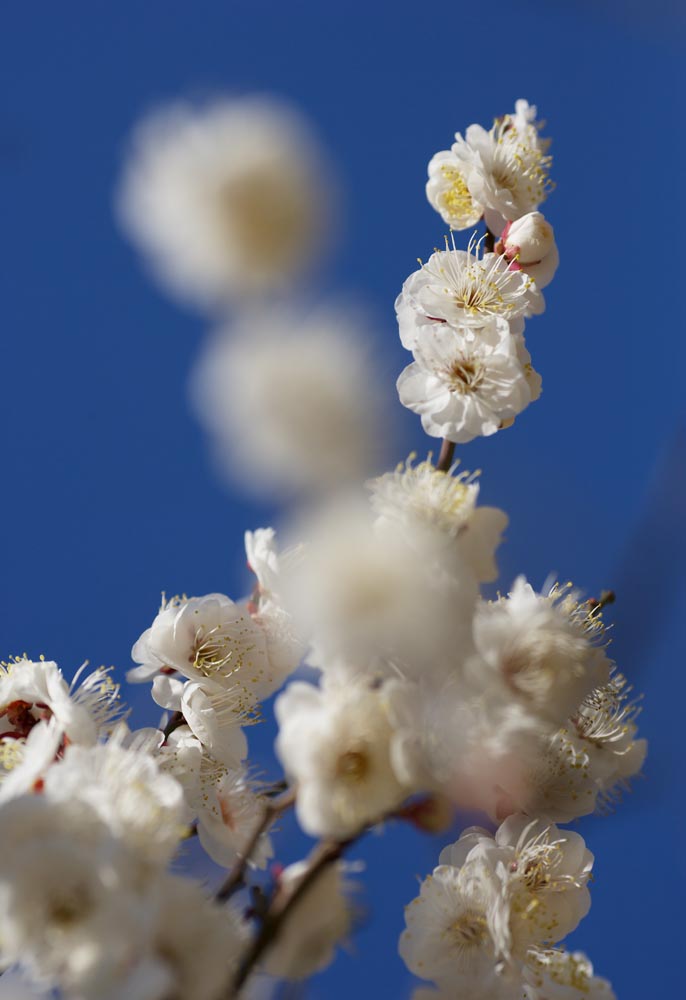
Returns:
<point x="236" y="877"/>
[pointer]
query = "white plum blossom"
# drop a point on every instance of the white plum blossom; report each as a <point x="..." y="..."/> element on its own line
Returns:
<point x="320" y="920"/>
<point x="226" y="200"/>
<point x="463" y="387"/>
<point x="541" y="649"/>
<point x="127" y="790"/>
<point x="335" y="745"/>
<point x="289" y="397"/>
<point x="214" y="714"/>
<point x="529" y="244"/>
<point x="192" y="948"/>
<point x="372" y="603"/>
<point x="212" y="638"/>
<point x="35" y="690"/>
<point x="563" y="975"/>
<point x="23" y="762"/>
<point x="456" y="932"/>
<point x="464" y="289"/>
<point x="70" y="907"/>
<point x="544" y="873"/>
<point x="449" y="194"/>
<point x="440" y="508"/>
<point x="507" y="167"/>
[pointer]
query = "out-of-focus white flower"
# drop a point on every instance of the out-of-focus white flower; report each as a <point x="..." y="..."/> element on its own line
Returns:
<point x="463" y="387"/>
<point x="319" y="920"/>
<point x="544" y="872"/>
<point x="372" y="603"/>
<point x="15" y="986"/>
<point x="440" y="509"/>
<point x="464" y="289"/>
<point x="506" y="168"/>
<point x="70" y="907"/>
<point x="529" y="243"/>
<point x="449" y="194"/>
<point x="35" y="690"/>
<point x="191" y="951"/>
<point x="226" y="200"/>
<point x="564" y="975"/>
<point x="541" y="649"/>
<point x="212" y="638"/>
<point x="335" y="744"/>
<point x="291" y="400"/>
<point x="456" y="932"/>
<point x="584" y="765"/>
<point x="126" y="788"/>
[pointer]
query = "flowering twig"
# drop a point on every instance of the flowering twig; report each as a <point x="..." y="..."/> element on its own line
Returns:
<point x="325" y="853"/>
<point x="235" y="879"/>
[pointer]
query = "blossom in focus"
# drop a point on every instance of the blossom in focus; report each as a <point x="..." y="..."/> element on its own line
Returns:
<point x="291" y="400"/>
<point x="507" y="168"/>
<point x="226" y="200"/>
<point x="529" y="244"/>
<point x="448" y="192"/>
<point x="464" y="387"/>
<point x="464" y="290"/>
<point x="335" y="744"/>
<point x="319" y="921"/>
<point x="456" y="931"/>
<point x="212" y="638"/>
<point x="544" y="872"/>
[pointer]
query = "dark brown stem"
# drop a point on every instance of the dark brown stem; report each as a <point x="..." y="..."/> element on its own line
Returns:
<point x="324" y="854"/>
<point x="236" y="877"/>
<point x="175" y="721"/>
<point x="489" y="241"/>
<point x="445" y="459"/>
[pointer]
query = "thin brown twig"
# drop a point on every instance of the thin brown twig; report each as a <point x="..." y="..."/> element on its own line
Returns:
<point x="324" y="854"/>
<point x="445" y="458"/>
<point x="176" y="719"/>
<point x="236" y="877"/>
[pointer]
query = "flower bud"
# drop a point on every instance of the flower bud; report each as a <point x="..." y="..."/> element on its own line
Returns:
<point x="530" y="243"/>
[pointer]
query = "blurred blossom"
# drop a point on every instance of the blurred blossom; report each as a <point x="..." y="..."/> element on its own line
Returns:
<point x="292" y="400"/>
<point x="226" y="200"/>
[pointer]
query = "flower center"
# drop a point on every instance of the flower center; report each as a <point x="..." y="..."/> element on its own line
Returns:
<point x="469" y="930"/>
<point x="353" y="766"/>
<point x="465" y="375"/>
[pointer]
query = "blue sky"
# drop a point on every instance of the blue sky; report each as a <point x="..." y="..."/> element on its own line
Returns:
<point x="109" y="496"/>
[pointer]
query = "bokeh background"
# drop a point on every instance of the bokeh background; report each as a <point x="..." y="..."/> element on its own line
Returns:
<point x="109" y="496"/>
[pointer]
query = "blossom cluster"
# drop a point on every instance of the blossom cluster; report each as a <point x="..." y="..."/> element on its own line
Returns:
<point x="402" y="691"/>
<point x="462" y="313"/>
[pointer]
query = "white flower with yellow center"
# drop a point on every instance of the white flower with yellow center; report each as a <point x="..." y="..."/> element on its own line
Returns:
<point x="465" y="387"/>
<point x="320" y="920"/>
<point x="448" y="192"/>
<point x="563" y="975"/>
<point x="212" y="638"/>
<point x="507" y="168"/>
<point x="226" y="200"/>
<point x="456" y="932"/>
<point x="544" y="872"/>
<point x="543" y="649"/>
<point x="421" y="500"/>
<point x="465" y="289"/>
<point x="335" y="745"/>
